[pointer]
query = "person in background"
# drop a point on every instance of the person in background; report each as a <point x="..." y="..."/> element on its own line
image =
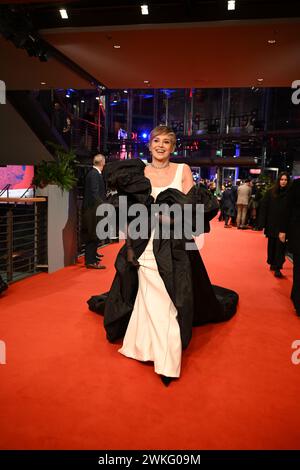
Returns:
<point x="3" y="285"/>
<point x="243" y="196"/>
<point x="290" y="231"/>
<point x="212" y="187"/>
<point x="256" y="202"/>
<point x="94" y="194"/>
<point x="59" y="118"/>
<point x="67" y="132"/>
<point x="272" y="206"/>
<point x="228" y="205"/>
<point x="220" y="199"/>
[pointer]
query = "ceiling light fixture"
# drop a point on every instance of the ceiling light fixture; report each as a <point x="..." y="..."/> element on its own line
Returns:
<point x="271" y="41"/>
<point x="260" y="79"/>
<point x="146" y="82"/>
<point x="43" y="83"/>
<point x="63" y="14"/>
<point x="231" y="5"/>
<point x="117" y="46"/>
<point x="125" y="91"/>
<point x="81" y="101"/>
<point x="144" y="10"/>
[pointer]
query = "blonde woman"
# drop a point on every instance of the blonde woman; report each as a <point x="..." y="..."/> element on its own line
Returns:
<point x="156" y="298"/>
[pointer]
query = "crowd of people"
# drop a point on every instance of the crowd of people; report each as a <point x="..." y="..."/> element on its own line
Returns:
<point x="273" y="208"/>
<point x="240" y="204"/>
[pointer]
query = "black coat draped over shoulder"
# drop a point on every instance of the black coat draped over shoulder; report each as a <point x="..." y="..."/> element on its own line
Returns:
<point x="182" y="271"/>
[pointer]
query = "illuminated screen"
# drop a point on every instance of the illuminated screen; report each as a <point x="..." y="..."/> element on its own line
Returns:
<point x="19" y="177"/>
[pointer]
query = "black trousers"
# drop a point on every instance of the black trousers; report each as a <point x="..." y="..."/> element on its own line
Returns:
<point x="295" y="294"/>
<point x="90" y="251"/>
<point x="276" y="252"/>
<point x="227" y="217"/>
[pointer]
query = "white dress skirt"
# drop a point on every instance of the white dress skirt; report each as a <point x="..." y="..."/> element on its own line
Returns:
<point x="153" y="332"/>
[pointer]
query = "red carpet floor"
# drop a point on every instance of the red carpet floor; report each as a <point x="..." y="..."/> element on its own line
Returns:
<point x="65" y="387"/>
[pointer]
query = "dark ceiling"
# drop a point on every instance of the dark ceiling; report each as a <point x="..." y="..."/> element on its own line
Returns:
<point x="179" y="44"/>
<point x="117" y="12"/>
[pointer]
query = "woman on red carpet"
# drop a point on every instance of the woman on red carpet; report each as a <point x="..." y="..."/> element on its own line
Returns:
<point x="163" y="290"/>
<point x="271" y="209"/>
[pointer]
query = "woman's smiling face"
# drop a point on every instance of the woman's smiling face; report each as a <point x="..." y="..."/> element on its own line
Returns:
<point x="161" y="146"/>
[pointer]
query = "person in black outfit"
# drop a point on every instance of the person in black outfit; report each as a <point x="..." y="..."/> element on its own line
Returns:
<point x="59" y="118"/>
<point x="290" y="230"/>
<point x="3" y="285"/>
<point x="271" y="209"/>
<point x="228" y="204"/>
<point x="94" y="194"/>
<point x="257" y="196"/>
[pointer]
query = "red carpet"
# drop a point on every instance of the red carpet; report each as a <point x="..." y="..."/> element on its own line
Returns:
<point x="65" y="387"/>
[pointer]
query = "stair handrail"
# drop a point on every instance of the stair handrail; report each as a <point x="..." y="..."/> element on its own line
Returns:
<point x="6" y="188"/>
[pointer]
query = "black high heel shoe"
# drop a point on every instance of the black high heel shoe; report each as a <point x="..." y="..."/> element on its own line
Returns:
<point x="166" y="380"/>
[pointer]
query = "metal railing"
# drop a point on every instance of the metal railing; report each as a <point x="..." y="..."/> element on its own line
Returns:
<point x="23" y="237"/>
<point x="5" y="190"/>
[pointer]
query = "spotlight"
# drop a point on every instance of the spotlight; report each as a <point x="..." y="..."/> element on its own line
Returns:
<point x="63" y="14"/>
<point x="231" y="5"/>
<point x="144" y="10"/>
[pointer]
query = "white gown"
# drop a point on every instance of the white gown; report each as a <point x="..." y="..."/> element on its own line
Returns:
<point x="153" y="332"/>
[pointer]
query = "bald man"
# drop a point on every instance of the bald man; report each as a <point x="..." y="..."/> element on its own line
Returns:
<point x="94" y="194"/>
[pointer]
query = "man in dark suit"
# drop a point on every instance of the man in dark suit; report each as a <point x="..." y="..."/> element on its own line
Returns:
<point x="290" y="230"/>
<point x="94" y="194"/>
